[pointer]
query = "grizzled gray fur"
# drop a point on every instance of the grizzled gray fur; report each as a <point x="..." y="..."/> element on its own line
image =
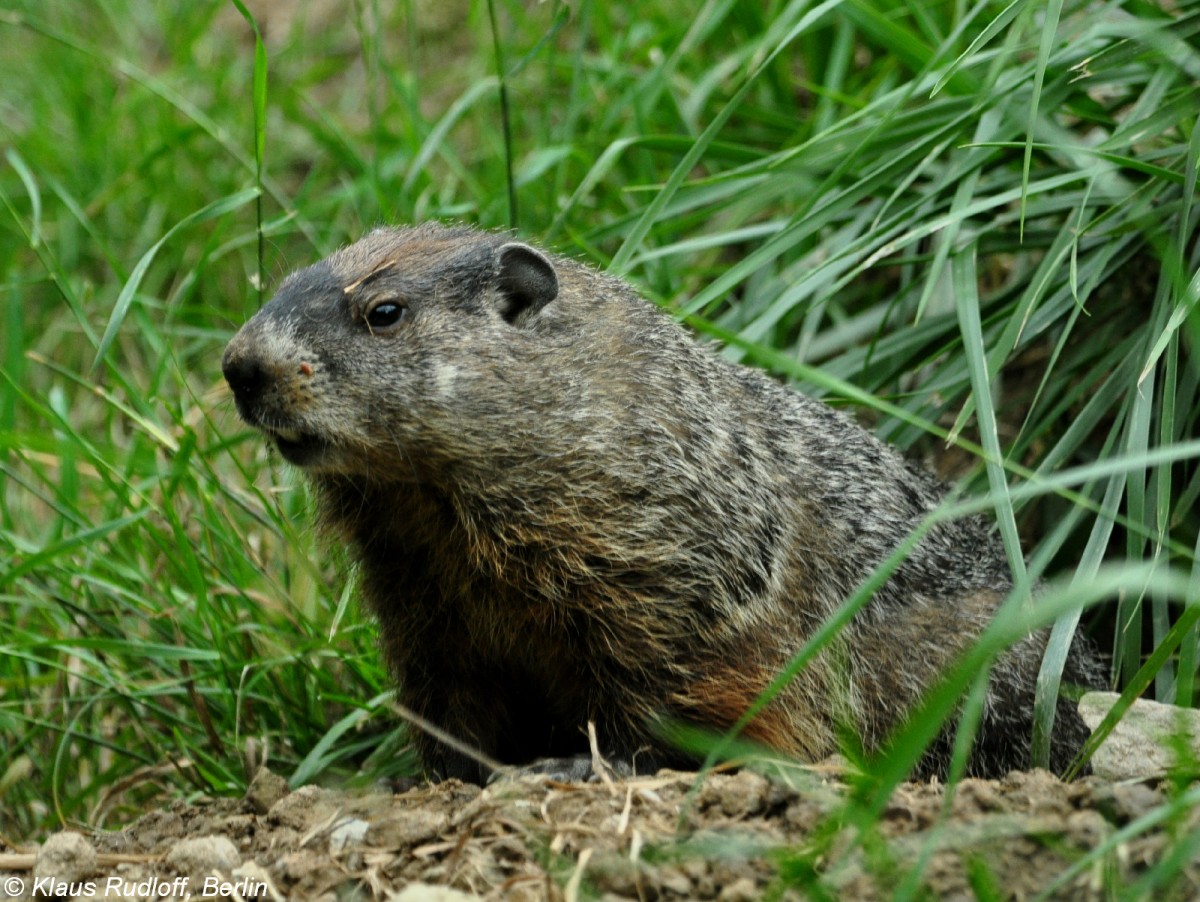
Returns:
<point x="565" y="510"/>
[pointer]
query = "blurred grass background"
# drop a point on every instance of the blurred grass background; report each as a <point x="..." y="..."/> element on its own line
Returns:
<point x="974" y="222"/>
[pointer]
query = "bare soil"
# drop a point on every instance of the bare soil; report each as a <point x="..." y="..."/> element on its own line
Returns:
<point x="737" y="836"/>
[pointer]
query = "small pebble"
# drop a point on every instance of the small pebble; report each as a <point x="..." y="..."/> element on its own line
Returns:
<point x="349" y="833"/>
<point x="1141" y="746"/>
<point x="265" y="790"/>
<point x="201" y="856"/>
<point x="66" y="857"/>
<point x="741" y="890"/>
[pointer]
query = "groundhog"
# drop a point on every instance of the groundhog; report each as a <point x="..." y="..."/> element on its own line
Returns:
<point x="567" y="510"/>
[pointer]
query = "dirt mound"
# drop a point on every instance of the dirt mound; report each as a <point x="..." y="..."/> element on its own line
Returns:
<point x="727" y="837"/>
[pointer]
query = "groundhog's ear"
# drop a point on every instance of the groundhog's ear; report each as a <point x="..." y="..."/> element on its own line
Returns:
<point x="527" y="281"/>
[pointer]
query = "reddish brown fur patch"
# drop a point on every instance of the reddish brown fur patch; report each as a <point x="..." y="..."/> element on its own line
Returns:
<point x="788" y="724"/>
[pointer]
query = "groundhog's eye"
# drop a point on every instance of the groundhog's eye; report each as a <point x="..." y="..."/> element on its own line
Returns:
<point x="386" y="314"/>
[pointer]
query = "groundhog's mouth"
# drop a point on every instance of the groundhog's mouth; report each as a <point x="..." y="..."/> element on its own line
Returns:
<point x="299" y="448"/>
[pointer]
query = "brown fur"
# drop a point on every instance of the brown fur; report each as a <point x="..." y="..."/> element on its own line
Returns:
<point x="567" y="510"/>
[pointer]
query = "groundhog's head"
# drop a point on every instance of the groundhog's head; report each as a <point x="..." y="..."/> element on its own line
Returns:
<point x="373" y="360"/>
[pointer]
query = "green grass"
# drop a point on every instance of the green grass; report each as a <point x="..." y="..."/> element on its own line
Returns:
<point x="973" y="222"/>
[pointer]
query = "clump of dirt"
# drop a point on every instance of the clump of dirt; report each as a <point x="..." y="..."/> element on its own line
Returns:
<point x="675" y="835"/>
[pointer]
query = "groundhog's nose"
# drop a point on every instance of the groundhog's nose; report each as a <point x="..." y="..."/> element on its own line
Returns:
<point x="245" y="375"/>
